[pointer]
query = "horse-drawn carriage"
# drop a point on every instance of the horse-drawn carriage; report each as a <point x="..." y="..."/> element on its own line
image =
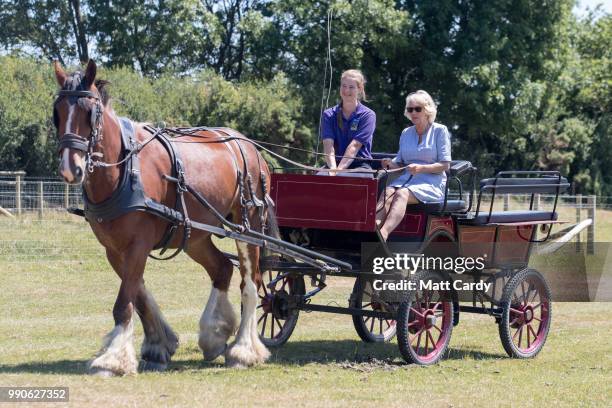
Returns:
<point x="336" y="216"/>
<point x="146" y="188"/>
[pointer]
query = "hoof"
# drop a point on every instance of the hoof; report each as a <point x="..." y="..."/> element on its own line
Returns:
<point x="239" y="356"/>
<point x="153" y="366"/>
<point x="213" y="354"/>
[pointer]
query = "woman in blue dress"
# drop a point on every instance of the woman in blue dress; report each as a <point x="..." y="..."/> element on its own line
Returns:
<point x="425" y="149"/>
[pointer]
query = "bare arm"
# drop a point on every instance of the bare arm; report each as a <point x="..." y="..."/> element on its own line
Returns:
<point x="330" y="153"/>
<point x="434" y="168"/>
<point x="349" y="154"/>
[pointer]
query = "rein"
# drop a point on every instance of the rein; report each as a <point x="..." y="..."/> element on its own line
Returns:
<point x="220" y="139"/>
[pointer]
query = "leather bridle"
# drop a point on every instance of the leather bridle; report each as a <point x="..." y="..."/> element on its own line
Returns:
<point x="80" y="143"/>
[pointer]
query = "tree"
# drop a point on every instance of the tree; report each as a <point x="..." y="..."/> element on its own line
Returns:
<point x="54" y="29"/>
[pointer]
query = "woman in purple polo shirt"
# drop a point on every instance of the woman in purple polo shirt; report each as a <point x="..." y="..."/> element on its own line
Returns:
<point x="347" y="128"/>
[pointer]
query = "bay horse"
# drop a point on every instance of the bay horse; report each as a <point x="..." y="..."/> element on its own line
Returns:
<point x="90" y="133"/>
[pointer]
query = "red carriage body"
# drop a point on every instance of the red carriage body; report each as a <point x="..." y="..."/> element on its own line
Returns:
<point x="335" y="215"/>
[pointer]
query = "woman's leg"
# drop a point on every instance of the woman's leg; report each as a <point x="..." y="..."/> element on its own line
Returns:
<point x="402" y="197"/>
<point x="382" y="207"/>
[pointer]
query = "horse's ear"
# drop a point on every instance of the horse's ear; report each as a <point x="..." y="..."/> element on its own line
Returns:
<point x="90" y="74"/>
<point x="60" y="74"/>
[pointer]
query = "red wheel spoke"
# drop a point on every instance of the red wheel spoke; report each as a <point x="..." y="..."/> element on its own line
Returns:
<point x="426" y="342"/>
<point x="433" y="343"/>
<point x="535" y="292"/>
<point x="437" y="328"/>
<point x="517" y="311"/>
<point x="415" y="311"/>
<point x="280" y="326"/>
<point x="435" y="308"/>
<point x="272" y="324"/>
<point x="262" y="316"/>
<point x="366" y="305"/>
<point x="389" y="324"/>
<point x="528" y="337"/>
<point x="537" y="306"/>
<point x="284" y="283"/>
<point x="523" y="291"/>
<point x="417" y="336"/>
<point x="538" y="319"/>
<point x="529" y="328"/>
<point x="515" y="333"/>
<point x="372" y="325"/>
<point x="265" y="290"/>
<point x="413" y="323"/>
<point x="263" y="328"/>
<point x="520" y="336"/>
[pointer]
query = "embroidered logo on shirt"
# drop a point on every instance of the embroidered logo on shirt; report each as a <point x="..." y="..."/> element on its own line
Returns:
<point x="354" y="124"/>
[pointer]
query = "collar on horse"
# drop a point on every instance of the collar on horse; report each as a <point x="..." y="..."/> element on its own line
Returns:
<point x="129" y="195"/>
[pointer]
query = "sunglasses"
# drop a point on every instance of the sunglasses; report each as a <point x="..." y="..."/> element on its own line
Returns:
<point x="417" y="109"/>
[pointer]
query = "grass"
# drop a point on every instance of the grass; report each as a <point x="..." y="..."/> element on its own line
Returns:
<point x="58" y="293"/>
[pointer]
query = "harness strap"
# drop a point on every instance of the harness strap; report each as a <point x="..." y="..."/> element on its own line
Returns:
<point x="73" y="141"/>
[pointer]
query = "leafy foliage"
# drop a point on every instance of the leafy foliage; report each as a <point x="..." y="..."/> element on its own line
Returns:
<point x="266" y="111"/>
<point x="521" y="84"/>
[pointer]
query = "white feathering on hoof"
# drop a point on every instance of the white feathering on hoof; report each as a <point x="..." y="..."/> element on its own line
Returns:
<point x="217" y="324"/>
<point x="247" y="350"/>
<point x="117" y="355"/>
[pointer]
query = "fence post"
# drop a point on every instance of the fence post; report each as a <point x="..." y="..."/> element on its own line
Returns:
<point x="18" y="193"/>
<point x="506" y="202"/>
<point x="40" y="199"/>
<point x="66" y="195"/>
<point x="578" y="213"/>
<point x="591" y="204"/>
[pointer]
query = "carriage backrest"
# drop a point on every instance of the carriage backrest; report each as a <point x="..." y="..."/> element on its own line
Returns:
<point x="524" y="185"/>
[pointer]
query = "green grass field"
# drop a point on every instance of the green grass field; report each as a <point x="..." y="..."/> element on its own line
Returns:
<point x="58" y="292"/>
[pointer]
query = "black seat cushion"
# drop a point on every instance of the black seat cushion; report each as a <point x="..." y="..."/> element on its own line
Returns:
<point x="451" y="206"/>
<point x="508" y="216"/>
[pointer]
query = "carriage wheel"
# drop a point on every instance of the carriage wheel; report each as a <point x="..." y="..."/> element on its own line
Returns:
<point x="526" y="314"/>
<point x="370" y="329"/>
<point x="425" y="321"/>
<point x="276" y="319"/>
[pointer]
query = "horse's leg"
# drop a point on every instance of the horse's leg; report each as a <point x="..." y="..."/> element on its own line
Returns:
<point x="117" y="356"/>
<point x="248" y="349"/>
<point x="218" y="320"/>
<point x="160" y="341"/>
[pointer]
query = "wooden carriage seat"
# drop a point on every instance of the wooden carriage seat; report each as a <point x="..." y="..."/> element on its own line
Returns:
<point x="517" y="185"/>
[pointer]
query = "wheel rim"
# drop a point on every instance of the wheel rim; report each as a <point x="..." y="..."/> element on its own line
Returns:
<point x="377" y="326"/>
<point x="528" y="315"/>
<point x="270" y="325"/>
<point x="429" y="323"/>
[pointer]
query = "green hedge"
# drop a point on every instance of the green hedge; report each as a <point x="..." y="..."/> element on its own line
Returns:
<point x="266" y="111"/>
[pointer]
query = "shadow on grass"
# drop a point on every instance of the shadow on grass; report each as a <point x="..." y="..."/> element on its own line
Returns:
<point x="47" y="367"/>
<point x="338" y="351"/>
<point x="292" y="353"/>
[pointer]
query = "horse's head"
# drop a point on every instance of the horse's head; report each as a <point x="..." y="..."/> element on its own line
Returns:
<point x="77" y="115"/>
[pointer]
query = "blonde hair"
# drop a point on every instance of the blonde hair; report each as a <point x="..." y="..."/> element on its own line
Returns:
<point x="356" y="75"/>
<point x="424" y="100"/>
